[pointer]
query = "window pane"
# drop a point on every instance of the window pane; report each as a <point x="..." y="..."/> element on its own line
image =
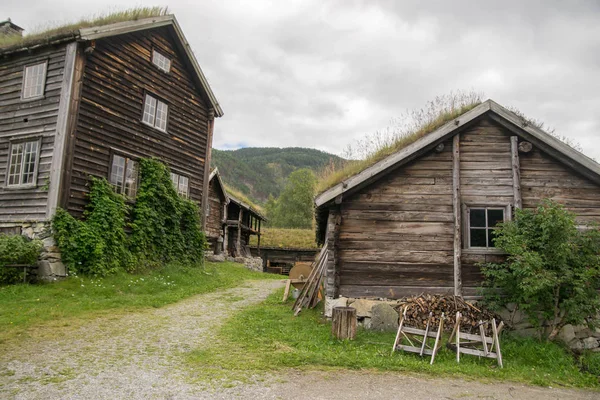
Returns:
<point x="491" y="236"/>
<point x="33" y="82"/>
<point x="117" y="172"/>
<point x="477" y="218"/>
<point x="161" y="116"/>
<point x="175" y="180"/>
<point x="495" y="217"/>
<point x="478" y="238"/>
<point x="161" y="61"/>
<point x="183" y="186"/>
<point x="131" y="178"/>
<point x="16" y="160"/>
<point x="29" y="160"/>
<point x="149" y="110"/>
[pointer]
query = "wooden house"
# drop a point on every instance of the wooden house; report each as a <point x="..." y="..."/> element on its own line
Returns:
<point x="242" y="221"/>
<point x="93" y="101"/>
<point x="421" y="219"/>
<point x="216" y="212"/>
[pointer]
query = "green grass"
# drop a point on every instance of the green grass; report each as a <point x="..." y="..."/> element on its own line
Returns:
<point x="286" y="238"/>
<point x="25" y="307"/>
<point x="239" y="196"/>
<point x="266" y="337"/>
<point x="45" y="33"/>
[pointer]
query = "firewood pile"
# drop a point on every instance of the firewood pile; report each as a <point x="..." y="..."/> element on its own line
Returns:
<point x="419" y="307"/>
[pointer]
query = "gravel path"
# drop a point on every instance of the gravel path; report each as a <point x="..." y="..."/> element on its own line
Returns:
<point x="136" y="356"/>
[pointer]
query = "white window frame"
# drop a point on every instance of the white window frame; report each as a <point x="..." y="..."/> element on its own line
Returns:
<point x="151" y="109"/>
<point x="161" y="61"/>
<point x="122" y="176"/>
<point x="182" y="189"/>
<point x="36" y="160"/>
<point x="24" y="86"/>
<point x="507" y="209"/>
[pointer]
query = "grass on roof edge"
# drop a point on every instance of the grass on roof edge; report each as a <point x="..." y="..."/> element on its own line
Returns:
<point x="243" y="198"/>
<point x="354" y="167"/>
<point x="47" y="33"/>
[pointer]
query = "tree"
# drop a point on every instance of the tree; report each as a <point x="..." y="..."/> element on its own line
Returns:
<point x="552" y="269"/>
<point x="271" y="210"/>
<point x="295" y="207"/>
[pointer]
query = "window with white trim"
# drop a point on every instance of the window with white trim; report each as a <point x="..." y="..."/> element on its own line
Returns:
<point x="482" y="221"/>
<point x="124" y="175"/>
<point x="155" y="113"/>
<point x="34" y="81"/>
<point x="162" y="62"/>
<point x="181" y="184"/>
<point x="23" y="163"/>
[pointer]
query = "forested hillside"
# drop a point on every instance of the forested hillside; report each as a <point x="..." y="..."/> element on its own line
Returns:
<point x="258" y="172"/>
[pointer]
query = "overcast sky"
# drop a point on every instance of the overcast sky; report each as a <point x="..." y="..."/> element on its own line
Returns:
<point x="323" y="73"/>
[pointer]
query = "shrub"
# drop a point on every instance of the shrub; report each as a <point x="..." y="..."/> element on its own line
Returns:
<point x="16" y="249"/>
<point x="552" y="269"/>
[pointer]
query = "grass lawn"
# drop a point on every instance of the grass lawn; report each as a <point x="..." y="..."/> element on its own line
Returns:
<point x="267" y="337"/>
<point x="24" y="307"/>
<point x="286" y="238"/>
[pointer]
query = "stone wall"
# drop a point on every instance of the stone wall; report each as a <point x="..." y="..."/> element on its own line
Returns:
<point x="381" y="315"/>
<point x="252" y="263"/>
<point x="50" y="266"/>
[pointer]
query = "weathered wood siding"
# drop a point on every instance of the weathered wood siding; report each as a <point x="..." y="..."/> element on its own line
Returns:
<point x="24" y="119"/>
<point x="117" y="75"/>
<point x="216" y="203"/>
<point x="396" y="236"/>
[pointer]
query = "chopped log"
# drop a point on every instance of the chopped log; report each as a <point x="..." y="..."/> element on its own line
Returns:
<point x="525" y="147"/>
<point x="343" y="325"/>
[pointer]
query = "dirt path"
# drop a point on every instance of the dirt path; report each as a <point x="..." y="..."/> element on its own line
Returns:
<point x="136" y="356"/>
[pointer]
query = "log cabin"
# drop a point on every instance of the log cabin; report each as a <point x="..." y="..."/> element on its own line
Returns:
<point x="216" y="212"/>
<point x="242" y="221"/>
<point x="421" y="220"/>
<point x="93" y="100"/>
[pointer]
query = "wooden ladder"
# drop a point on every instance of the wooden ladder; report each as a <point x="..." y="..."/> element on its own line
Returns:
<point x="419" y="336"/>
<point x="477" y="345"/>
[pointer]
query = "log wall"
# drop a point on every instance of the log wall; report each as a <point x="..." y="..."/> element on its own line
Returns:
<point x="216" y="211"/>
<point x="118" y="73"/>
<point x="28" y="119"/>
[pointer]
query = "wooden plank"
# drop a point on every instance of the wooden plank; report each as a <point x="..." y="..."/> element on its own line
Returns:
<point x="413" y="349"/>
<point x="516" y="171"/>
<point x="457" y="210"/>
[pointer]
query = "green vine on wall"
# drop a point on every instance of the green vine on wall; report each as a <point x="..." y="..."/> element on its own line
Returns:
<point x="164" y="227"/>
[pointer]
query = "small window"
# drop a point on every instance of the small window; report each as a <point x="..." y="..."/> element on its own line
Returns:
<point x="155" y="113"/>
<point x="124" y="175"/>
<point x="162" y="62"/>
<point x="181" y="184"/>
<point x="482" y="222"/>
<point x="34" y="81"/>
<point x="23" y="162"/>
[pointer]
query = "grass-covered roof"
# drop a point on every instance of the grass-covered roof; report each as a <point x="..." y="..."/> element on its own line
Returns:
<point x="241" y="197"/>
<point x="49" y="34"/>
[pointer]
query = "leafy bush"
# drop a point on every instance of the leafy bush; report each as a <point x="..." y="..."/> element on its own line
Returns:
<point x="97" y="245"/>
<point x="165" y="227"/>
<point x="552" y="270"/>
<point x="16" y="249"/>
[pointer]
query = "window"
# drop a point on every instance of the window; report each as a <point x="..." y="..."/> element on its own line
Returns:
<point x="181" y="184"/>
<point x="482" y="222"/>
<point x="123" y="175"/>
<point x="155" y="113"/>
<point x="162" y="62"/>
<point x="22" y="169"/>
<point x="34" y="81"/>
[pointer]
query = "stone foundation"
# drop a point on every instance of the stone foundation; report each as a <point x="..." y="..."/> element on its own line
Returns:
<point x="378" y="315"/>
<point x="252" y="263"/>
<point x="50" y="266"/>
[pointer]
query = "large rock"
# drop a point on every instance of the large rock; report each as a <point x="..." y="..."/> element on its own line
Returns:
<point x="590" y="343"/>
<point x="215" y="258"/>
<point x="384" y="318"/>
<point x="567" y="334"/>
<point x="363" y="307"/>
<point x="331" y="303"/>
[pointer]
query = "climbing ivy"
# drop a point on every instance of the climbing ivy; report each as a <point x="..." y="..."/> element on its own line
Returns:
<point x="163" y="226"/>
<point x="17" y="249"/>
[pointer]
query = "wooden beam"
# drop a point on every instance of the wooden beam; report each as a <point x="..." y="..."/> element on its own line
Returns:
<point x="239" y="235"/>
<point x="456" y="206"/>
<point x="210" y="125"/>
<point x="516" y="171"/>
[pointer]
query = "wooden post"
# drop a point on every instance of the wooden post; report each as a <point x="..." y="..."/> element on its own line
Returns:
<point x="258" y="246"/>
<point x="343" y="324"/>
<point x="225" y="230"/>
<point x="239" y="235"/>
<point x="456" y="206"/>
<point x="516" y="171"/>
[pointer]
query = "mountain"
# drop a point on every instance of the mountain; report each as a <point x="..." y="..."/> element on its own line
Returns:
<point x="260" y="171"/>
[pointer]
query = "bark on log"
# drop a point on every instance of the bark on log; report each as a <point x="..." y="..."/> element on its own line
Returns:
<point x="343" y="325"/>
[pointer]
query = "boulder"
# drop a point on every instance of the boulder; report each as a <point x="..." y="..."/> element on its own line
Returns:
<point x="590" y="343"/>
<point x="384" y="318"/>
<point x="215" y="258"/>
<point x="331" y="303"/>
<point x="567" y="334"/>
<point x="363" y="307"/>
